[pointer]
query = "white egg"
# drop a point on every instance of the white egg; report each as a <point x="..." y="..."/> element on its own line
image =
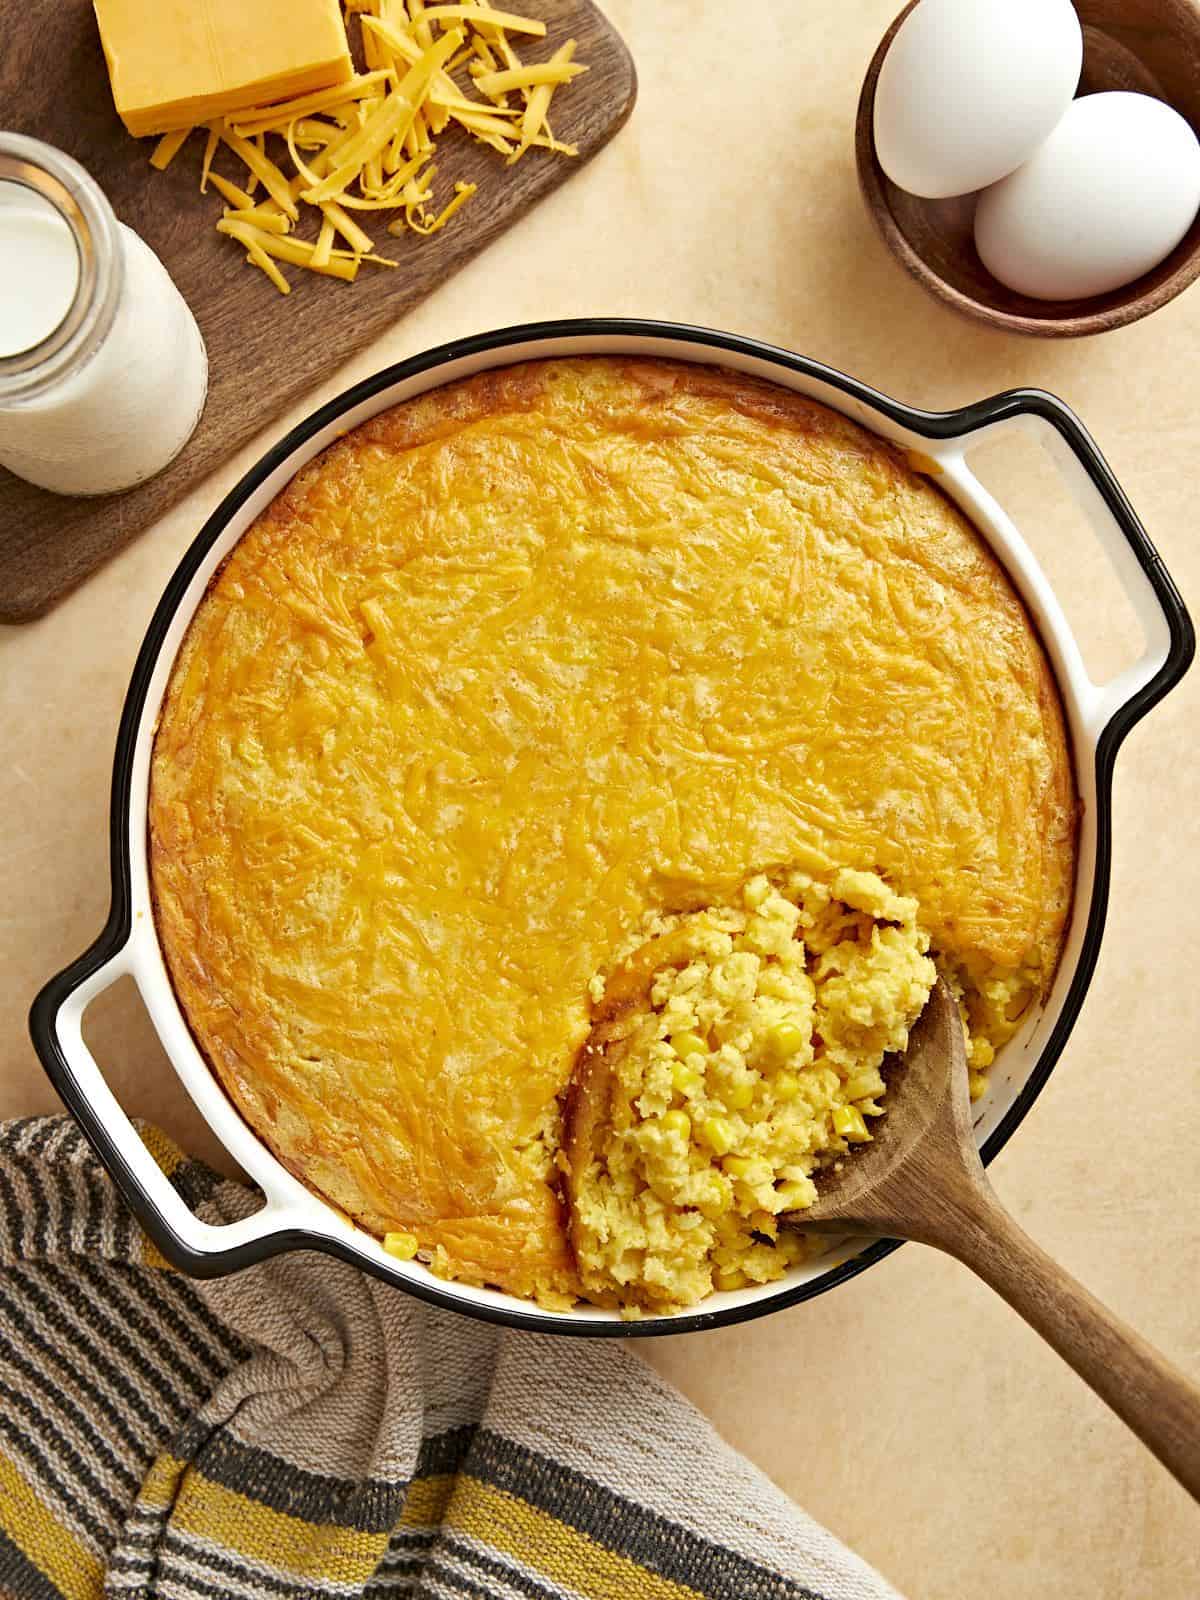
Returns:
<point x="1109" y="194"/>
<point x="970" y="88"/>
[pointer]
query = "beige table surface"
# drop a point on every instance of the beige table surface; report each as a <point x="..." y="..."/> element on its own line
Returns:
<point x="909" y="1410"/>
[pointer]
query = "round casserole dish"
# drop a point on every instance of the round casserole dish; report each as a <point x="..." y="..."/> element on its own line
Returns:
<point x="1098" y="718"/>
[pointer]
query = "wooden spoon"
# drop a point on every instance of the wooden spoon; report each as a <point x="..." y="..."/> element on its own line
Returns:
<point x="921" y="1178"/>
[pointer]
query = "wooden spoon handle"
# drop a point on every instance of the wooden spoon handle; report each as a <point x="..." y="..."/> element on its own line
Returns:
<point x="1156" y="1400"/>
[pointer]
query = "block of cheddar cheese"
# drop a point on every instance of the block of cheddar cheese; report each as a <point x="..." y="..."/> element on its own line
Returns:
<point x="179" y="62"/>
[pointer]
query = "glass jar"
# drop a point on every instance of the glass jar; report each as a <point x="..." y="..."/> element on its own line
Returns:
<point x="108" y="392"/>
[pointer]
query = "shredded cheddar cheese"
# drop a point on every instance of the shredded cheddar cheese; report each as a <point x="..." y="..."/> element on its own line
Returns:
<point x="237" y="198"/>
<point x="298" y="251"/>
<point x="494" y="19"/>
<point x="276" y="117"/>
<point x="368" y="144"/>
<point x="168" y="148"/>
<point x="259" y="258"/>
<point x="259" y="217"/>
<point x="211" y="145"/>
<point x="495" y="84"/>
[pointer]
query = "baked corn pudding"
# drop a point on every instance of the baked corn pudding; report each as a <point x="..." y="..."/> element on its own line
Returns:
<point x="523" y="678"/>
<point x="738" y="1052"/>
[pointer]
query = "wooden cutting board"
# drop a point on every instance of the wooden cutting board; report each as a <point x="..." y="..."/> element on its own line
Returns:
<point x="265" y="351"/>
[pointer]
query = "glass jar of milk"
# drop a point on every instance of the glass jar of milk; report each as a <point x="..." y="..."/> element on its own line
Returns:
<point x="103" y="372"/>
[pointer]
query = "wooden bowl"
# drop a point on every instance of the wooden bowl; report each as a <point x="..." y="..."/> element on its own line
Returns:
<point x="1150" y="46"/>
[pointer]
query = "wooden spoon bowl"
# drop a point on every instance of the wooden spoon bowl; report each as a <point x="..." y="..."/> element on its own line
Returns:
<point x="1149" y="46"/>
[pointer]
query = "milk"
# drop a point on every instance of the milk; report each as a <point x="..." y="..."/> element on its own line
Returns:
<point x="39" y="269"/>
<point x="125" y="408"/>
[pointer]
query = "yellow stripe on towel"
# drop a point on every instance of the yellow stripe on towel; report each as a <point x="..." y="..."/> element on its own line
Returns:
<point x="297" y="1548"/>
<point x="75" y="1571"/>
<point x="426" y="1501"/>
<point x="551" y="1548"/>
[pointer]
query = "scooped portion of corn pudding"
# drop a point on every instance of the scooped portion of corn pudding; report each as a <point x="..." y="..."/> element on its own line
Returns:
<point x="528" y="671"/>
<point x="738" y="1051"/>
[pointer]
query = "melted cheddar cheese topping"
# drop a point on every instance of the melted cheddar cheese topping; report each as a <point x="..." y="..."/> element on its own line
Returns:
<point x="530" y="659"/>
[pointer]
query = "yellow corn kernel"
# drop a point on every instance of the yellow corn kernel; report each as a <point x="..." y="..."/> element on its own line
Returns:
<point x="794" y="1196"/>
<point x="715" y="1195"/>
<point x="785" y="1038"/>
<point x="739" y="1096"/>
<point x="864" y="1086"/>
<point x="676" y="1122"/>
<point x="685" y="1078"/>
<point x="980" y="1054"/>
<point x="730" y="1279"/>
<point x="731" y="1233"/>
<point x="786" y="1085"/>
<point x="688" y="1044"/>
<point x="744" y="1167"/>
<point x="718" y="1135"/>
<point x="849" y="1122"/>
<point x="401" y="1245"/>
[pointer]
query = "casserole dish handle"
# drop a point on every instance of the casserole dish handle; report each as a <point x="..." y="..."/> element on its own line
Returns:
<point x="1166" y="626"/>
<point x="201" y="1249"/>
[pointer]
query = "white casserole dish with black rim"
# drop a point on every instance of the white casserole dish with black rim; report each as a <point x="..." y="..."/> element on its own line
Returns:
<point x="1098" y="717"/>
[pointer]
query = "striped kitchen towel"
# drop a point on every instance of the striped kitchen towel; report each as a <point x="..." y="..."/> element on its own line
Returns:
<point x="301" y="1431"/>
